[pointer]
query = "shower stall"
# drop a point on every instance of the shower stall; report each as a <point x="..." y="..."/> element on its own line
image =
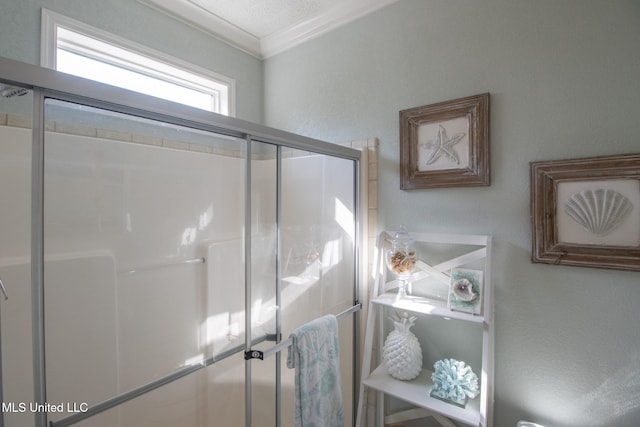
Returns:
<point x="154" y="258"/>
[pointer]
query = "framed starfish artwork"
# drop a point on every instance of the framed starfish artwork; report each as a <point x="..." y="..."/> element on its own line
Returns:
<point x="445" y="144"/>
<point x="586" y="212"/>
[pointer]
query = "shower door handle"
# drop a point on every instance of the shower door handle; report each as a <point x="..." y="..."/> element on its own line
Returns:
<point x="4" y="290"/>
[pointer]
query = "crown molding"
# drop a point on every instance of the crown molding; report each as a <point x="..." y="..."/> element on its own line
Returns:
<point x="321" y="24"/>
<point x="205" y="21"/>
<point x="262" y="48"/>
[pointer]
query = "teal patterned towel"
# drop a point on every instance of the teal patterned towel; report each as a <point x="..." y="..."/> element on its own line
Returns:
<point x="314" y="354"/>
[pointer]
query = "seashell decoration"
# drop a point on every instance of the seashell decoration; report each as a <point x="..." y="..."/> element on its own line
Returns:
<point x="463" y="289"/>
<point x="402" y="262"/>
<point x="598" y="211"/>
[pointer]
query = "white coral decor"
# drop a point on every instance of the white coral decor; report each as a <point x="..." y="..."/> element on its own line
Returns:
<point x="401" y="351"/>
<point x="454" y="380"/>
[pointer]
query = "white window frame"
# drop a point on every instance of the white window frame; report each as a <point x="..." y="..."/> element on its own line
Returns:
<point x="170" y="68"/>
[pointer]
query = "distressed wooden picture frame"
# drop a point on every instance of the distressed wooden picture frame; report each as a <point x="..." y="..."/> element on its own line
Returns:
<point x="586" y="212"/>
<point x="445" y="144"/>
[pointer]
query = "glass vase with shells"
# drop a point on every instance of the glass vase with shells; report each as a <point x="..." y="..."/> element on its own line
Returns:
<point x="401" y="257"/>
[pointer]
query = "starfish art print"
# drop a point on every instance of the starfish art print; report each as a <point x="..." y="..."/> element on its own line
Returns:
<point x="442" y="146"/>
<point x="445" y="144"/>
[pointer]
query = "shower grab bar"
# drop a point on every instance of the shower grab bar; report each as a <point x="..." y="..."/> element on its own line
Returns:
<point x="199" y="260"/>
<point x="257" y="354"/>
<point x="132" y="394"/>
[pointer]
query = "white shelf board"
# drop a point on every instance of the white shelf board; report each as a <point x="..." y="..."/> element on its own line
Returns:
<point x="417" y="392"/>
<point x="428" y="306"/>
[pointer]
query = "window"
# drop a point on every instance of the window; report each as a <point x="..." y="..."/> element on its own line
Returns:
<point x="76" y="48"/>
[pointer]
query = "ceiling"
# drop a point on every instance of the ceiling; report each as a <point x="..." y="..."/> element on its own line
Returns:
<point x="264" y="28"/>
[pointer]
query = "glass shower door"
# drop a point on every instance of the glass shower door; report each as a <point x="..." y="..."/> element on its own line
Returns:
<point x="318" y="232"/>
<point x="143" y="226"/>
<point x="303" y="222"/>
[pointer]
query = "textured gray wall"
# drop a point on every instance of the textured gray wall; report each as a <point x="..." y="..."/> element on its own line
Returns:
<point x="564" y="83"/>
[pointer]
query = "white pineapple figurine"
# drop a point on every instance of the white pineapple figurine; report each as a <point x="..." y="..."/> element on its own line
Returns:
<point x="401" y="351"/>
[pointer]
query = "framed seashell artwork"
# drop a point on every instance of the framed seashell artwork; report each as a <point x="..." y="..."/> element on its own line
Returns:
<point x="445" y="144"/>
<point x="586" y="212"/>
<point x="465" y="291"/>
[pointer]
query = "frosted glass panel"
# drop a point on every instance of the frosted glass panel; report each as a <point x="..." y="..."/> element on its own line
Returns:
<point x="317" y="231"/>
<point x="317" y="234"/>
<point x="136" y="220"/>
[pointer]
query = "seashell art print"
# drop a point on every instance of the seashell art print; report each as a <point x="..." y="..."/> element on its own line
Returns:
<point x="463" y="289"/>
<point x="598" y="211"/>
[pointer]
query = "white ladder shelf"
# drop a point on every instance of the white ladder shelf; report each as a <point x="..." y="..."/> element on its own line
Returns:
<point x="472" y="249"/>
